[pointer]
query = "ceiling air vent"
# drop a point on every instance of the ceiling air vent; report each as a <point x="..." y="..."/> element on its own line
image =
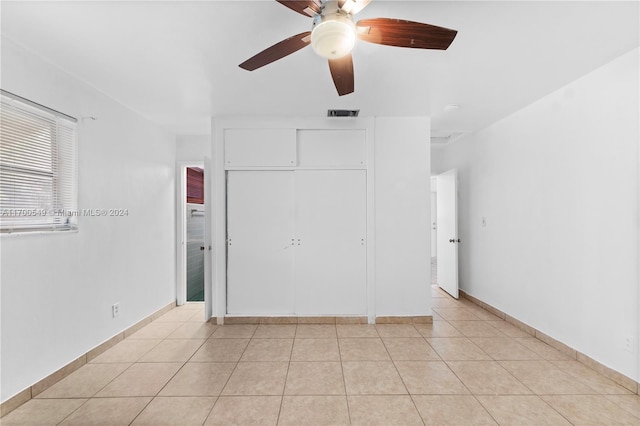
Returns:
<point x="343" y="112"/>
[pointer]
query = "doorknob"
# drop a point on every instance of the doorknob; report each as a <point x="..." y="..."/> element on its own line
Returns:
<point x="454" y="241"/>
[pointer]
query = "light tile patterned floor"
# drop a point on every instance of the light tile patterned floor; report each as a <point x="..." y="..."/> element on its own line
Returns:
<point x="467" y="368"/>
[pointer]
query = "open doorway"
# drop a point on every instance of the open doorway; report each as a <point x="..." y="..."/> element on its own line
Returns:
<point x="195" y="219"/>
<point x="191" y="234"/>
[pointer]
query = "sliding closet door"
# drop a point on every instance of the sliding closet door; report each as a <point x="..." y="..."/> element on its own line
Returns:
<point x="260" y="218"/>
<point x="330" y="262"/>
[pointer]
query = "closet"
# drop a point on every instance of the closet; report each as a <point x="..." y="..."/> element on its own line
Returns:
<point x="296" y="222"/>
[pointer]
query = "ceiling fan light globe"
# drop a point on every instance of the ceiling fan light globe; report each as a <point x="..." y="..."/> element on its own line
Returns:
<point x="333" y="38"/>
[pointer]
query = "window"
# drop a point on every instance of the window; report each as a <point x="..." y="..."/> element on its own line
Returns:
<point x="195" y="185"/>
<point x="38" y="167"/>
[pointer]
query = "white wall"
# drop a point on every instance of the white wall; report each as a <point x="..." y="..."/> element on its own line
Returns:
<point x="193" y="148"/>
<point x="57" y="290"/>
<point x="558" y="183"/>
<point x="402" y="199"/>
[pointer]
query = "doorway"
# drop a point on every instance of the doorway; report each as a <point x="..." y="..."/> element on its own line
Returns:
<point x="191" y="210"/>
<point x="195" y="234"/>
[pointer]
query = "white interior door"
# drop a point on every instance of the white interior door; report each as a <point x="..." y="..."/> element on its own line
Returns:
<point x="330" y="256"/>
<point x="447" y="235"/>
<point x="259" y="242"/>
<point x="434" y="221"/>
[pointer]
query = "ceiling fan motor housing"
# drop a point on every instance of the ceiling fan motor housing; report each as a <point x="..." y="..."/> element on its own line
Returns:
<point x="334" y="33"/>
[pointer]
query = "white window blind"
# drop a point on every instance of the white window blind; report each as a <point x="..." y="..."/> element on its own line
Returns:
<point x="38" y="168"/>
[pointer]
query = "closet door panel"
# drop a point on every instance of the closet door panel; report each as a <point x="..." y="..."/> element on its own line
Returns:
<point x="330" y="262"/>
<point x="260" y="217"/>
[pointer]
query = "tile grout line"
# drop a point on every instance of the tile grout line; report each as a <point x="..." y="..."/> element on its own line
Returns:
<point x="344" y="382"/>
<point x="230" y="374"/>
<point x="286" y="376"/>
<point x="71" y="413"/>
<point x="400" y="375"/>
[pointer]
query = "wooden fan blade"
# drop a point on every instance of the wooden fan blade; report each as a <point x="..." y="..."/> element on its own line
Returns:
<point x="396" y="32"/>
<point x="306" y="8"/>
<point x="353" y="6"/>
<point x="277" y="51"/>
<point x="342" y="73"/>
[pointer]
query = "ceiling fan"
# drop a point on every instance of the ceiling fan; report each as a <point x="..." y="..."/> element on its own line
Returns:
<point x="334" y="33"/>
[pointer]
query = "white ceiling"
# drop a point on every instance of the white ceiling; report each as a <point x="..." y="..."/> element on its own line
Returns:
<point x="176" y="62"/>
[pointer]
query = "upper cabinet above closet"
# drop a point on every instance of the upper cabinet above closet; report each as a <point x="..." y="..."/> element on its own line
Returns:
<point x="260" y="147"/>
<point x="291" y="148"/>
<point x="346" y="148"/>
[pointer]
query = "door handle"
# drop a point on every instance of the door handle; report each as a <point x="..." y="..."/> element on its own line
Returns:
<point x="454" y="241"/>
<point x="201" y="248"/>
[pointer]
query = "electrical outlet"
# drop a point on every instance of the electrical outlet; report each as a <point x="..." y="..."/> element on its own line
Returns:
<point x="115" y="310"/>
<point x="628" y="343"/>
